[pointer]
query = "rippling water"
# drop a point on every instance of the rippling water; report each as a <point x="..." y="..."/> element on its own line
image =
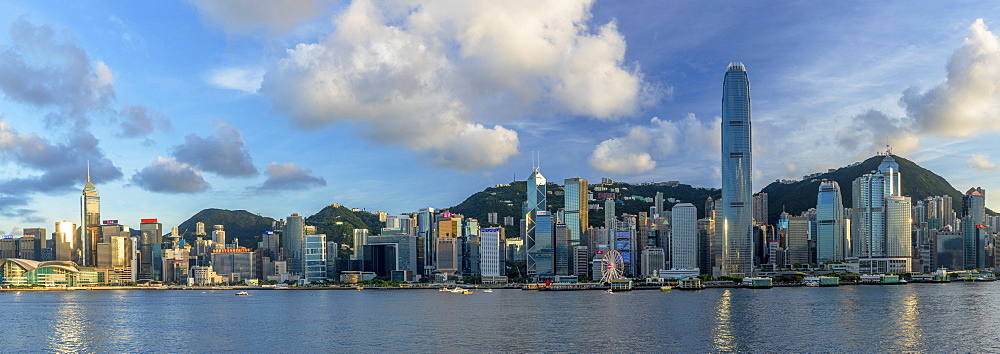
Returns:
<point x="959" y="317"/>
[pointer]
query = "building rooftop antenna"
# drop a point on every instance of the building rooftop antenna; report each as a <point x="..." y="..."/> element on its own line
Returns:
<point x="88" y="170"/>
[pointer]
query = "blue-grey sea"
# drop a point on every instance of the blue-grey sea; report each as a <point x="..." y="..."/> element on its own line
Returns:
<point x="958" y="317"/>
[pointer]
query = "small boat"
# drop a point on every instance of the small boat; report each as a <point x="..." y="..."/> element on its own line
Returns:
<point x="488" y="291"/>
<point x="243" y="293"/>
<point x="457" y="290"/>
<point x="358" y="288"/>
<point x="444" y="289"/>
<point x="466" y="292"/>
<point x="812" y="283"/>
<point x="609" y="291"/>
<point x="666" y="288"/>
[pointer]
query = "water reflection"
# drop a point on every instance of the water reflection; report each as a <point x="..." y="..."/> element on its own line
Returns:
<point x="722" y="334"/>
<point x="67" y="333"/>
<point x="909" y="329"/>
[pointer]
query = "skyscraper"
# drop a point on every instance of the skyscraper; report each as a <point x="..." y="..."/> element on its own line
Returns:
<point x="684" y="236"/>
<point x="291" y="242"/>
<point x="535" y="203"/>
<point x="609" y="214"/>
<point x="577" y="213"/>
<point x="736" y="173"/>
<point x="151" y="232"/>
<point x="64" y="241"/>
<point x="881" y="221"/>
<point x="90" y="206"/>
<point x="427" y="232"/>
<point x="974" y="205"/>
<point x="830" y="220"/>
<point x="760" y="208"/>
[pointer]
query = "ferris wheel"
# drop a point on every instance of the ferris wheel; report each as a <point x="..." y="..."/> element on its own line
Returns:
<point x="613" y="266"/>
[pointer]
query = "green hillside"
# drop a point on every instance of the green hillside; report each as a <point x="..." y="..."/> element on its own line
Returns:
<point x="339" y="222"/>
<point x="918" y="183"/>
<point x="239" y="224"/>
<point x="506" y="200"/>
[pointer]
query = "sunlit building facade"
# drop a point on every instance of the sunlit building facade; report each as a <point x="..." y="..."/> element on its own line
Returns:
<point x="90" y="206"/>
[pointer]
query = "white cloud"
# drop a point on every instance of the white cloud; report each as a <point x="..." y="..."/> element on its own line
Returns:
<point x="238" y="16"/>
<point x="965" y="104"/>
<point x="170" y="176"/>
<point x="241" y="79"/>
<point x="626" y="155"/>
<point x="431" y="75"/>
<point x="969" y="100"/>
<point x="662" y="140"/>
<point x="982" y="162"/>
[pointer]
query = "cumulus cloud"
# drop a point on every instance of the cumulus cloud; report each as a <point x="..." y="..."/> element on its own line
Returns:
<point x="41" y="69"/>
<point x="964" y="104"/>
<point x="237" y="16"/>
<point x="223" y="153"/>
<point x="170" y="176"/>
<point x="430" y="75"/>
<point x="982" y="162"/>
<point x="288" y="176"/>
<point x="969" y="99"/>
<point x="137" y="121"/>
<point x="241" y="79"/>
<point x="626" y="155"/>
<point x="63" y="166"/>
<point x="643" y="146"/>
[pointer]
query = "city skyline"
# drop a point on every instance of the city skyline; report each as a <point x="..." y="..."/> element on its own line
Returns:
<point x="146" y="99"/>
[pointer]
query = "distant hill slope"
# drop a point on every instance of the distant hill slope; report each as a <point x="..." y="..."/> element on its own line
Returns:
<point x="239" y="224"/>
<point x="918" y="183"/>
<point x="339" y="222"/>
<point x="506" y="200"/>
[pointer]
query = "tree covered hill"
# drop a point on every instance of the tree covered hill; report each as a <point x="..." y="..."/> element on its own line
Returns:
<point x="918" y="183"/>
<point x="239" y="224"/>
<point x="506" y="200"/>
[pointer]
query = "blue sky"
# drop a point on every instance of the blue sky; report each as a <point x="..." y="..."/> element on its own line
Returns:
<point x="285" y="108"/>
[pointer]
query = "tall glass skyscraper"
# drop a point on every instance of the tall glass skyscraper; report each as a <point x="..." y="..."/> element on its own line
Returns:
<point x="737" y="210"/>
<point x="577" y="213"/>
<point x="291" y="241"/>
<point x="90" y="206"/>
<point x="535" y="203"/>
<point x="830" y="220"/>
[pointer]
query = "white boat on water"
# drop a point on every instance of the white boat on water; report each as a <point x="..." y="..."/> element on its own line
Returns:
<point x="488" y="291"/>
<point x="609" y="291"/>
<point x="243" y="293"/>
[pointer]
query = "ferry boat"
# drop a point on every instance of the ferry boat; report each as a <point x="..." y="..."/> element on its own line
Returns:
<point x="812" y="283"/>
<point x="243" y="293"/>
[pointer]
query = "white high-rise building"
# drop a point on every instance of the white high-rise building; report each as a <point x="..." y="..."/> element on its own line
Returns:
<point x="881" y="219"/>
<point x="491" y="248"/>
<point x="684" y="236"/>
<point x="219" y="236"/>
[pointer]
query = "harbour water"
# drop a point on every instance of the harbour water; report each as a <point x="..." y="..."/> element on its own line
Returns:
<point x="958" y="317"/>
